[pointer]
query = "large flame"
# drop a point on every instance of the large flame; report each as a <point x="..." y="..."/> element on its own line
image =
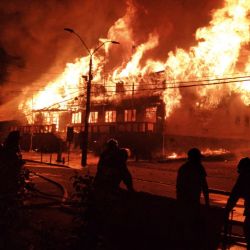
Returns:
<point x="218" y="55"/>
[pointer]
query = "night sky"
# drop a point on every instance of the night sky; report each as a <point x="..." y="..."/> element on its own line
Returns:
<point x="33" y="41"/>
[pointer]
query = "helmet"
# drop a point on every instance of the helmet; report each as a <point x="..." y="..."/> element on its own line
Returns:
<point x="194" y="154"/>
<point x="244" y="165"/>
<point x="112" y="143"/>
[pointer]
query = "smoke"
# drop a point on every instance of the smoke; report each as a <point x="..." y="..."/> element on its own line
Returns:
<point x="34" y="48"/>
<point x="5" y="60"/>
<point x="175" y="21"/>
<point x="32" y="32"/>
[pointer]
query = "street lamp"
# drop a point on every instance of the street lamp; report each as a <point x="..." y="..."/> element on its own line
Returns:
<point x="87" y="112"/>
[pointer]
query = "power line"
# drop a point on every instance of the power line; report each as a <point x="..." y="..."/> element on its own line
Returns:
<point x="213" y="82"/>
<point x="171" y="87"/>
<point x="148" y="89"/>
<point x="181" y="86"/>
<point x="208" y="82"/>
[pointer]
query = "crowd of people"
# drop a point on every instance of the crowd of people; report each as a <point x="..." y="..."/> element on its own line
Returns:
<point x="112" y="170"/>
<point x="190" y="184"/>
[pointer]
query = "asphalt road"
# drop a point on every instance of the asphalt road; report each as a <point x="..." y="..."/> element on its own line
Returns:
<point x="153" y="177"/>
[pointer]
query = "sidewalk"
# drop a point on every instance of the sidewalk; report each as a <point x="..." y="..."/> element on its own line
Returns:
<point x="72" y="160"/>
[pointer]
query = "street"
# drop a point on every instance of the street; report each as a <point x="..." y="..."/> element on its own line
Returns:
<point x="152" y="177"/>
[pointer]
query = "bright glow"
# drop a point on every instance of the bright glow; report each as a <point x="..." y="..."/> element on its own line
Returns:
<point x="217" y="54"/>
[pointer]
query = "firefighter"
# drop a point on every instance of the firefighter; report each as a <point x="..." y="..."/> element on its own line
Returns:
<point x="241" y="189"/>
<point x="111" y="171"/>
<point x="112" y="168"/>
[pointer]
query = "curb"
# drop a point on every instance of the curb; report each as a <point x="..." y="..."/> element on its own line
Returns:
<point x="47" y="163"/>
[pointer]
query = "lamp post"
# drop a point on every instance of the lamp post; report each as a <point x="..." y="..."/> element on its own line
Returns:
<point x="87" y="110"/>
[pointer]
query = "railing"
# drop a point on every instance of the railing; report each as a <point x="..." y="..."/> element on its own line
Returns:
<point x="134" y="127"/>
<point x="227" y="235"/>
<point x="33" y="129"/>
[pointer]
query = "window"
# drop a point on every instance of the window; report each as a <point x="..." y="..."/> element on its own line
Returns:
<point x="150" y="127"/>
<point x="150" y="114"/>
<point x="130" y="115"/>
<point x="51" y="118"/>
<point x="77" y="117"/>
<point x="93" y="117"/>
<point x="110" y="116"/>
<point x="142" y="127"/>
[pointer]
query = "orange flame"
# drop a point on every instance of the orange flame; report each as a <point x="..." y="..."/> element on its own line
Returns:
<point x="217" y="55"/>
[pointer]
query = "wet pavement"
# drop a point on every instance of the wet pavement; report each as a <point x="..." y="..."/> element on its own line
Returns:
<point x="152" y="177"/>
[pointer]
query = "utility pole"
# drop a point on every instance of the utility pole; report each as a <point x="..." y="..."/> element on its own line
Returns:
<point x="87" y="108"/>
<point x="32" y="126"/>
<point x="86" y="120"/>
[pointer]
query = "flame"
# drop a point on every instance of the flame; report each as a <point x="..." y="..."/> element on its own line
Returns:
<point x="219" y="151"/>
<point x="217" y="55"/>
<point x="205" y="152"/>
<point x="173" y="156"/>
<point x="57" y="92"/>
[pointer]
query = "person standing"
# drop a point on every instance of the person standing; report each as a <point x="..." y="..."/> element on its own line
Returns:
<point x="112" y="168"/>
<point x="11" y="164"/>
<point x="111" y="171"/>
<point x="241" y="189"/>
<point x="191" y="182"/>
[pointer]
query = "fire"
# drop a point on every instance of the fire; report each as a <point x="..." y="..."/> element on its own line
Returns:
<point x="218" y="55"/>
<point x="217" y="52"/>
<point x="206" y="153"/>
<point x="173" y="156"/>
<point x="133" y="66"/>
<point x="220" y="151"/>
<point x="57" y="92"/>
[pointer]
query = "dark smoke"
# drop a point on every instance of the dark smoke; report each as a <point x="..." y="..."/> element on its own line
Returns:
<point x="32" y="32"/>
<point x="175" y="20"/>
<point x="33" y="41"/>
<point x="6" y="61"/>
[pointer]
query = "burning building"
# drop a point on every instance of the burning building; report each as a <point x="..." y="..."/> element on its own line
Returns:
<point x="198" y="95"/>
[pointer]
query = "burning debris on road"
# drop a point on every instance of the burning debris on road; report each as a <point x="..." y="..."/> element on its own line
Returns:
<point x="207" y="155"/>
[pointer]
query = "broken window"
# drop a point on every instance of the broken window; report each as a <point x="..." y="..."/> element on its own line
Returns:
<point x="77" y="117"/>
<point x="93" y="117"/>
<point x="150" y="114"/>
<point x="130" y="115"/>
<point x="110" y="116"/>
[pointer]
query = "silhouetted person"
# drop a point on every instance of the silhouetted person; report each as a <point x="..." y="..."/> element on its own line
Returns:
<point x="111" y="171"/>
<point x="10" y="167"/>
<point x="241" y="189"/>
<point x="10" y="164"/>
<point x="191" y="181"/>
<point x="112" y="168"/>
